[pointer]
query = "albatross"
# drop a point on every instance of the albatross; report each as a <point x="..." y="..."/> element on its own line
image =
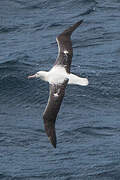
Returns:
<point x="58" y="77"/>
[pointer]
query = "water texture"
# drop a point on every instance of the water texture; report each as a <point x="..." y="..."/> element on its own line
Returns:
<point x="88" y="124"/>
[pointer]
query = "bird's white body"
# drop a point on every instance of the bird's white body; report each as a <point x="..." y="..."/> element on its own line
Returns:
<point x="58" y="74"/>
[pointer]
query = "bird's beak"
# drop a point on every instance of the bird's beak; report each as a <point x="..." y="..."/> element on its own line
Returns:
<point x="32" y="76"/>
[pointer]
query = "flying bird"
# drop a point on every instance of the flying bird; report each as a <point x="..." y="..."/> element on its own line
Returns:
<point x="58" y="77"/>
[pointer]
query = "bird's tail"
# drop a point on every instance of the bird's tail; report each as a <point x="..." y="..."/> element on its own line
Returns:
<point x="73" y="79"/>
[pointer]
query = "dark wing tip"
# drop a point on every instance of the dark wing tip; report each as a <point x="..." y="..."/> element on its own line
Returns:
<point x="50" y="131"/>
<point x="78" y="23"/>
<point x="72" y="28"/>
<point x="53" y="140"/>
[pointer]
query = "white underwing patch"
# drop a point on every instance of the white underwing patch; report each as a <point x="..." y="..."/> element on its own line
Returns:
<point x="56" y="94"/>
<point x="66" y="52"/>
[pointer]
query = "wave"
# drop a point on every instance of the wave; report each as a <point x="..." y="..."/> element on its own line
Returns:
<point x="15" y="85"/>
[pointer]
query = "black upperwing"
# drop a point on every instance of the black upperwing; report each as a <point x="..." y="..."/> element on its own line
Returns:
<point x="65" y="47"/>
<point x="56" y="95"/>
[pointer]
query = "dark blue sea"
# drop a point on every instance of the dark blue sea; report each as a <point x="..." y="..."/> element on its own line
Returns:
<point x="88" y="124"/>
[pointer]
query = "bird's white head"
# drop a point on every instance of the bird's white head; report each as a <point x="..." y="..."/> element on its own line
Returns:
<point x="41" y="74"/>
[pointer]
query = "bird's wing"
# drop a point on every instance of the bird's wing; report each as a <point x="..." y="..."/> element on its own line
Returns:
<point x="56" y="95"/>
<point x="65" y="50"/>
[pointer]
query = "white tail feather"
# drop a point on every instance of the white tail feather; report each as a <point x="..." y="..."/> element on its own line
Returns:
<point x="73" y="79"/>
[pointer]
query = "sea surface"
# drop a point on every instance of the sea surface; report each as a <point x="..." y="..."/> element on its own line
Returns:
<point x="88" y="124"/>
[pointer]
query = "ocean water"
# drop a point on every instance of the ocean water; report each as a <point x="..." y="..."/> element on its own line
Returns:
<point x="88" y="124"/>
